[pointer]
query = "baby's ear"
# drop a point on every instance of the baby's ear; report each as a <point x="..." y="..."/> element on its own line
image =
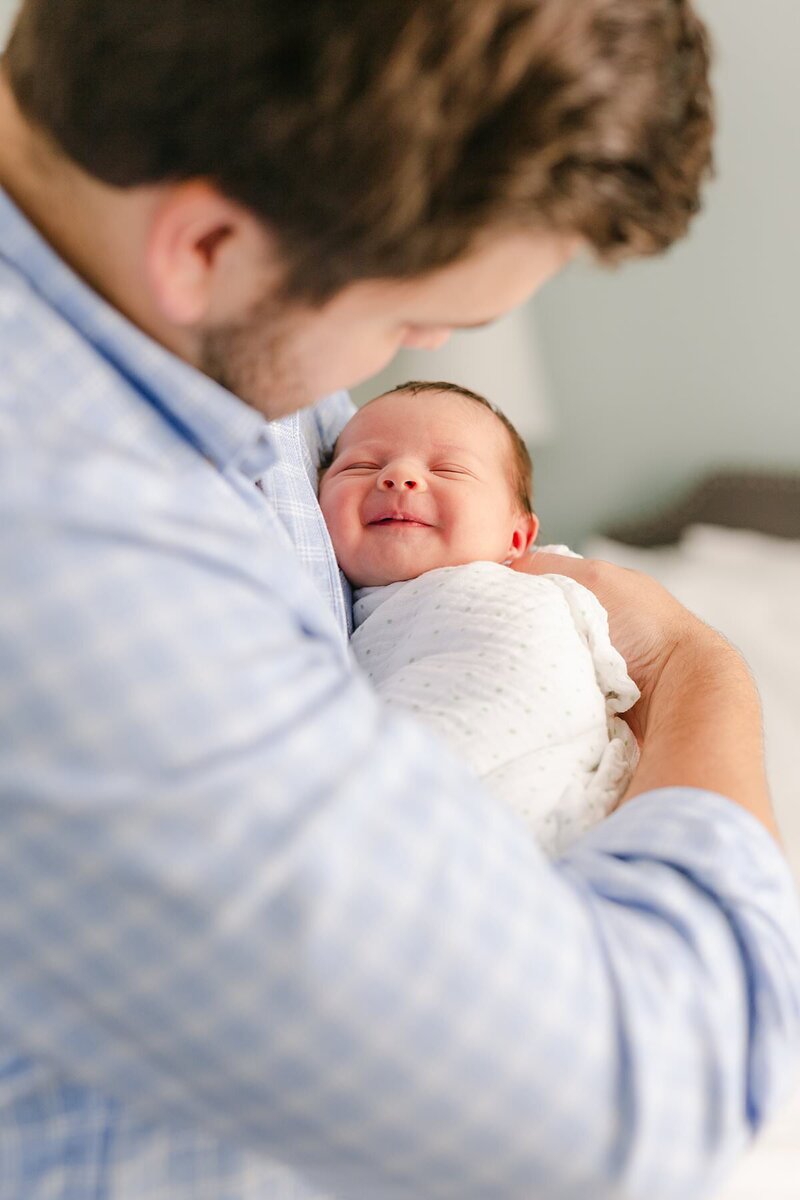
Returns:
<point x="523" y="535"/>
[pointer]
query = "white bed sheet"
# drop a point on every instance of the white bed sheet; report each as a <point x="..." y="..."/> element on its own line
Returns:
<point x="747" y="585"/>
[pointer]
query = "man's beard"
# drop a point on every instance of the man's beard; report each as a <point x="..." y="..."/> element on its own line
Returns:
<point x="253" y="360"/>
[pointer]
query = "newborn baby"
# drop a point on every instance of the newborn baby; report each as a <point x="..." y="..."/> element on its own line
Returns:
<point x="428" y="501"/>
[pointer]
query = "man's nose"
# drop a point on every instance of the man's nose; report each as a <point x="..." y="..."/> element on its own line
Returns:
<point x="429" y="338"/>
<point x="401" y="477"/>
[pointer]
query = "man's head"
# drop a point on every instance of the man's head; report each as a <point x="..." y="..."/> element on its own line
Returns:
<point x="273" y="160"/>
<point x="428" y="475"/>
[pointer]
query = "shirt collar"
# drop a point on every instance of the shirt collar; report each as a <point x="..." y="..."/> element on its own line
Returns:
<point x="217" y="423"/>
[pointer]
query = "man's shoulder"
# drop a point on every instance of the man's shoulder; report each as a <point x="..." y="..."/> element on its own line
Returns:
<point x="70" y="422"/>
<point x="78" y="447"/>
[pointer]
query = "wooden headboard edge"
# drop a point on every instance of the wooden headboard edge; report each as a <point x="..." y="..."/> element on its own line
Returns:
<point x="766" y="501"/>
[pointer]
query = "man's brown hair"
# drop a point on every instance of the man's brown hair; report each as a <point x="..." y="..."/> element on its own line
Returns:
<point x="521" y="465"/>
<point x="378" y="138"/>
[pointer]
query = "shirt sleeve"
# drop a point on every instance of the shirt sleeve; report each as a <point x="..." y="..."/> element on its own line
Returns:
<point x="235" y="890"/>
<point x="331" y="415"/>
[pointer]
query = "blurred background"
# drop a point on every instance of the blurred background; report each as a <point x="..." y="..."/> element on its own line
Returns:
<point x="7" y="10"/>
<point x="637" y="387"/>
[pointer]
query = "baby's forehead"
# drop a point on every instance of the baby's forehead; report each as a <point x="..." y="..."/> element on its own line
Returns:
<point x="433" y="418"/>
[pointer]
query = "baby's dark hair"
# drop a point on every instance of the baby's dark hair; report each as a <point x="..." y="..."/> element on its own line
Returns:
<point x="522" y="467"/>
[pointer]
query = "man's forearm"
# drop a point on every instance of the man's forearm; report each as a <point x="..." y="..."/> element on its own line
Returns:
<point x="703" y="727"/>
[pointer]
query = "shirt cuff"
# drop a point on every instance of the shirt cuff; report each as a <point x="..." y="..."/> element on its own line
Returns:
<point x="692" y="828"/>
<point x="730" y="856"/>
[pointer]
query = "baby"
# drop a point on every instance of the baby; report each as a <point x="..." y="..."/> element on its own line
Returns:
<point x="428" y="501"/>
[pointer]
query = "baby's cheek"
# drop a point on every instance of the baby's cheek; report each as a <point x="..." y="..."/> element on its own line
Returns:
<point x="343" y="533"/>
<point x="328" y="502"/>
<point x="336" y="534"/>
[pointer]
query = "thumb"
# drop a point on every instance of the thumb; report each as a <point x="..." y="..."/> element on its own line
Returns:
<point x="551" y="560"/>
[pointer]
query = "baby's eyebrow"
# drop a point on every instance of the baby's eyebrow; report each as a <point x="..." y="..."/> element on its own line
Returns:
<point x="370" y="445"/>
<point x="449" y="448"/>
<point x="365" y="444"/>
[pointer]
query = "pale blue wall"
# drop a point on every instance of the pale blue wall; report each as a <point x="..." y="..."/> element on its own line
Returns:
<point x="668" y="367"/>
<point x="7" y="10"/>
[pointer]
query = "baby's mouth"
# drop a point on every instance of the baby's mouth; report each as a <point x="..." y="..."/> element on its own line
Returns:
<point x="399" y="519"/>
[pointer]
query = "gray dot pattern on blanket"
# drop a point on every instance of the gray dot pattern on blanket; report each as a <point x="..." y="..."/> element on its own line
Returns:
<point x="519" y="674"/>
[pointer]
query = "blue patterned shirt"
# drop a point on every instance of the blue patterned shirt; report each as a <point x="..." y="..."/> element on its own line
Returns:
<point x="258" y="937"/>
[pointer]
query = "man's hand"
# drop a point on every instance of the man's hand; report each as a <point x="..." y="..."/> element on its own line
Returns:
<point x="646" y="622"/>
<point x="699" y="719"/>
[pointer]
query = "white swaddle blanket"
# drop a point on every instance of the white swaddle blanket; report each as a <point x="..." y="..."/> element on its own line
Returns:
<point x="518" y="673"/>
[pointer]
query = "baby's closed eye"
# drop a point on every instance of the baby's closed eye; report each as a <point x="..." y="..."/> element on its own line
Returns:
<point x="450" y="469"/>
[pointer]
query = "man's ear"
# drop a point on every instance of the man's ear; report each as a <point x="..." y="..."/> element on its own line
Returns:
<point x="523" y="535"/>
<point x="208" y="260"/>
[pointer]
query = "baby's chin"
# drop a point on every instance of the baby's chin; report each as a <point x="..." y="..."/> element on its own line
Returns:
<point x="381" y="574"/>
<point x="375" y="578"/>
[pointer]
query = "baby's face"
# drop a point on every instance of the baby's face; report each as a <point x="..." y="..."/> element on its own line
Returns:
<point x="420" y="482"/>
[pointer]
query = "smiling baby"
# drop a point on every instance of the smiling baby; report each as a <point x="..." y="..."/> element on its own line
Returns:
<point x="428" y="500"/>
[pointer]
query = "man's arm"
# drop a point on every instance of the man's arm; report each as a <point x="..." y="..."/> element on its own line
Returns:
<point x="704" y="727"/>
<point x="234" y="890"/>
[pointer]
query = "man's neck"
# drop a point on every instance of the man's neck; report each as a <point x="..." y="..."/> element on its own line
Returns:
<point x="98" y="230"/>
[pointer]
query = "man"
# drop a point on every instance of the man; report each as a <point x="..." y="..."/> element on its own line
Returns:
<point x="257" y="937"/>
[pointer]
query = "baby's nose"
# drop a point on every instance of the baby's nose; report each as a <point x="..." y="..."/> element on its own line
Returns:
<point x="402" y="478"/>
